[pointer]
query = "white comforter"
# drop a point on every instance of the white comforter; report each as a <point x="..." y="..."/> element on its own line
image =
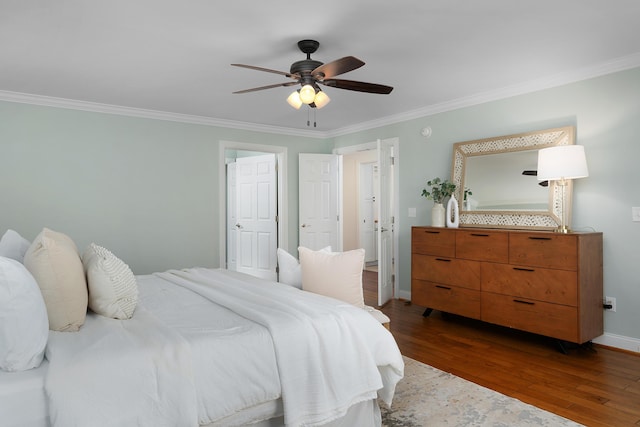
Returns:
<point x="120" y="373"/>
<point x="328" y="356"/>
<point x="319" y="383"/>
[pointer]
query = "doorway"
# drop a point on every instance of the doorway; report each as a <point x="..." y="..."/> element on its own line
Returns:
<point x="245" y="244"/>
<point x="365" y="166"/>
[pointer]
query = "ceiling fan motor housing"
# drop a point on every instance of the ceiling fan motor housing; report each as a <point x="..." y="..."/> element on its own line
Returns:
<point x="304" y="67"/>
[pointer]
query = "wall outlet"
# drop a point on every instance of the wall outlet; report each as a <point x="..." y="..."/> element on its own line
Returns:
<point x="610" y="301"/>
<point x="635" y="214"/>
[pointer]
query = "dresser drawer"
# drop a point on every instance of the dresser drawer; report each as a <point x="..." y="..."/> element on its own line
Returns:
<point x="448" y="271"/>
<point x="433" y="241"/>
<point x="549" y="250"/>
<point x="543" y="284"/>
<point x="552" y="320"/>
<point x="450" y="299"/>
<point x="481" y="245"/>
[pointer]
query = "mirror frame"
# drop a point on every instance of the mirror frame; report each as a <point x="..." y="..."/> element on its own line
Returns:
<point x="536" y="220"/>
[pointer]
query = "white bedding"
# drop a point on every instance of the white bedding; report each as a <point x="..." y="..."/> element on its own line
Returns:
<point x="227" y="349"/>
<point x="121" y="373"/>
<point x="318" y="383"/>
<point x="23" y="402"/>
<point x="238" y="377"/>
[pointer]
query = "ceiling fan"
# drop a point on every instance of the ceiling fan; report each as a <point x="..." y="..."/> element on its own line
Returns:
<point x="309" y="73"/>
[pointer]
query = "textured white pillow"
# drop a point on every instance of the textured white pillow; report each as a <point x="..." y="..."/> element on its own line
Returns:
<point x="333" y="274"/>
<point x="13" y="245"/>
<point x="113" y="290"/>
<point x="54" y="261"/>
<point x="289" y="271"/>
<point x="24" y="327"/>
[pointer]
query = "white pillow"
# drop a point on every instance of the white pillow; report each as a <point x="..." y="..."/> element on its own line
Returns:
<point x="113" y="290"/>
<point x="333" y="274"/>
<point x="54" y="261"/>
<point x="24" y="327"/>
<point x="13" y="245"/>
<point x="289" y="271"/>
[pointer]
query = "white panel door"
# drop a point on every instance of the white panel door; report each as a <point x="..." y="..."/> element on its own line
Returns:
<point x="319" y="195"/>
<point x="256" y="205"/>
<point x="385" y="220"/>
<point x="232" y="220"/>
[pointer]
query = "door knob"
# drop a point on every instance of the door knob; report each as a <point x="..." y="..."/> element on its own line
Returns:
<point x="305" y="225"/>
<point x="238" y="225"/>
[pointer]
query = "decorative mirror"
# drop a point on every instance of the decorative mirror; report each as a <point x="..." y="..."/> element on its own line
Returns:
<point x="499" y="178"/>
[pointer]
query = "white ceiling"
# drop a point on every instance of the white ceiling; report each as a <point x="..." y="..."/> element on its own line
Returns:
<point x="174" y="56"/>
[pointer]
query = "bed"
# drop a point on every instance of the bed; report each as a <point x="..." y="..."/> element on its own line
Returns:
<point x="211" y="347"/>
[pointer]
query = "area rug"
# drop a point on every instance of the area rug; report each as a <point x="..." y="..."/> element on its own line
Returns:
<point x="427" y="396"/>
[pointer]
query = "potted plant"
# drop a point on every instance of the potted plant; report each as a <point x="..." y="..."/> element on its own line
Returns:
<point x="438" y="191"/>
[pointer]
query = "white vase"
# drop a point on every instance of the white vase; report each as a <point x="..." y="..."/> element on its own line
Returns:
<point x="453" y="213"/>
<point x="437" y="215"/>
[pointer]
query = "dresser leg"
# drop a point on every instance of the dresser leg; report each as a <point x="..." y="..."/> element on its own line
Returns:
<point x="427" y="312"/>
<point x="561" y="347"/>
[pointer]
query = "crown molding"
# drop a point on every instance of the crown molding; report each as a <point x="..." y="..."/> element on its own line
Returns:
<point x="616" y="65"/>
<point x="72" y="104"/>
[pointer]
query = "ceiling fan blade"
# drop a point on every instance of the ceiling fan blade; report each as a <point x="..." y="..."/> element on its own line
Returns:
<point x="358" y="86"/>
<point x="267" y="70"/>
<point x="267" y="87"/>
<point x="337" y="67"/>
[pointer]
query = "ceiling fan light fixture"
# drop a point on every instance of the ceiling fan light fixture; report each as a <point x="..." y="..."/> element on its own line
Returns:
<point x="321" y="99"/>
<point x="307" y="94"/>
<point x="294" y="100"/>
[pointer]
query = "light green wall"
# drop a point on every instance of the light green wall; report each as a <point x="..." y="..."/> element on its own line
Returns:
<point x="148" y="189"/>
<point x="145" y="189"/>
<point x="606" y="113"/>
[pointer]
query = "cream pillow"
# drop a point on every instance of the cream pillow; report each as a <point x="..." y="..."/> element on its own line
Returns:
<point x="333" y="274"/>
<point x="13" y="245"/>
<point x="289" y="271"/>
<point x="54" y="262"/>
<point x="113" y="290"/>
<point x="24" y="328"/>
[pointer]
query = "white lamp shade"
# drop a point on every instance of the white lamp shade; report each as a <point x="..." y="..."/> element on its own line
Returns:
<point x="294" y="100"/>
<point x="321" y="99"/>
<point x="562" y="162"/>
<point x="307" y="94"/>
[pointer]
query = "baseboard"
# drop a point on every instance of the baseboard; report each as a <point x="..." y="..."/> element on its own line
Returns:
<point x="406" y="295"/>
<point x="619" y="341"/>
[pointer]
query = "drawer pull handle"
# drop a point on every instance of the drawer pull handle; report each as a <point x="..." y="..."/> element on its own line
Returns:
<point x="431" y="232"/>
<point x="443" y="259"/>
<point x="523" y="302"/>
<point x="523" y="269"/>
<point x="539" y="238"/>
<point x="479" y="235"/>
<point x="443" y="287"/>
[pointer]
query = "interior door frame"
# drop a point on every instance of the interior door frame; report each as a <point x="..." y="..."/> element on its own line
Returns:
<point x="282" y="197"/>
<point x="396" y="200"/>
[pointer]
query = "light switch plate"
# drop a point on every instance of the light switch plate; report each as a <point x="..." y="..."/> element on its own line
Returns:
<point x="412" y="212"/>
<point x="635" y="214"/>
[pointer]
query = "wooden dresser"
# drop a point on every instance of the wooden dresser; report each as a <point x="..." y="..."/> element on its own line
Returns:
<point x="541" y="282"/>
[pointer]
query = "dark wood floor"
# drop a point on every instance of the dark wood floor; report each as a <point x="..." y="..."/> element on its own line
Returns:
<point x="596" y="386"/>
